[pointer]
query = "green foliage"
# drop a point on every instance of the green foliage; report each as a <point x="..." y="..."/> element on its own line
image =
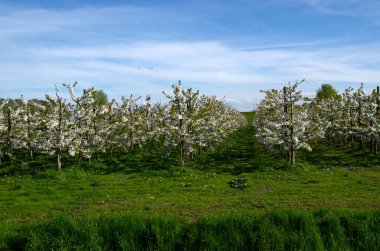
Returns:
<point x="239" y="183"/>
<point x="326" y="91"/>
<point x="100" y="97"/>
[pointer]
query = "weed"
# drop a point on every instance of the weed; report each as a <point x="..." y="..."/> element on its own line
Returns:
<point x="239" y="183"/>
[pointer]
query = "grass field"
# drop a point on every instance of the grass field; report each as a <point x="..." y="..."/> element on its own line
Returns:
<point x="184" y="193"/>
<point x="343" y="182"/>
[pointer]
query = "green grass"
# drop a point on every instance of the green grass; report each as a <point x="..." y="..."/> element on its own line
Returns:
<point x="196" y="200"/>
<point x="184" y="193"/>
<point x="342" y="181"/>
<point x="250" y="116"/>
<point x="278" y="230"/>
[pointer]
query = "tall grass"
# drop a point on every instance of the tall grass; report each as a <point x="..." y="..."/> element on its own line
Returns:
<point x="278" y="230"/>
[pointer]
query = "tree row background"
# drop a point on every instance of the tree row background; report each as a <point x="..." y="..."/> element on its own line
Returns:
<point x="286" y="121"/>
<point x="89" y="125"/>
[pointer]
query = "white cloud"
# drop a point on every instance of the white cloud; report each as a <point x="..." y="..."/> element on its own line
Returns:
<point x="142" y="65"/>
<point x="215" y="68"/>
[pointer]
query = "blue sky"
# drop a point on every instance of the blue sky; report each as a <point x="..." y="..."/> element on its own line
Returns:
<point x="223" y="48"/>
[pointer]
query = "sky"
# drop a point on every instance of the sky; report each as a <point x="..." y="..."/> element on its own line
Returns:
<point x="230" y="49"/>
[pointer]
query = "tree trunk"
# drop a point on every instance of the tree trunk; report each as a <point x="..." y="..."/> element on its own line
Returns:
<point x="109" y="152"/>
<point x="287" y="152"/>
<point x="377" y="100"/>
<point x="182" y="157"/>
<point x="377" y="115"/>
<point x="59" y="165"/>
<point x="293" y="156"/>
<point x="182" y="143"/>
<point x="31" y="153"/>
<point x="361" y="142"/>
<point x="79" y="157"/>
<point x="60" y="132"/>
<point x="292" y="152"/>
<point x="375" y="147"/>
<point x="9" y="135"/>
<point x="360" y="124"/>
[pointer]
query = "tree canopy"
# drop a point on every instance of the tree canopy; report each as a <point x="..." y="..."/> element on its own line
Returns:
<point x="100" y="97"/>
<point x="325" y="92"/>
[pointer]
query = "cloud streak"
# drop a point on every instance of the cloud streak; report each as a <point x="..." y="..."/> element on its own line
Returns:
<point x="354" y="8"/>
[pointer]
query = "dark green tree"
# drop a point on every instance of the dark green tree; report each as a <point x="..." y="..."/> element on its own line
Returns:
<point x="100" y="97"/>
<point x="326" y="91"/>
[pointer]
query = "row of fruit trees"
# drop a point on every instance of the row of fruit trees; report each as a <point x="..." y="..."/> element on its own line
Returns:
<point x="81" y="126"/>
<point x="286" y="121"/>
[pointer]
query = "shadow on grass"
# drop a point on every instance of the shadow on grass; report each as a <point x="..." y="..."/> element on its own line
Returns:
<point x="327" y="155"/>
<point x="236" y="154"/>
<point x="240" y="153"/>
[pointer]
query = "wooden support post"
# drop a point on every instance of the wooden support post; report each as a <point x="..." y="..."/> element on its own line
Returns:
<point x="377" y="116"/>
